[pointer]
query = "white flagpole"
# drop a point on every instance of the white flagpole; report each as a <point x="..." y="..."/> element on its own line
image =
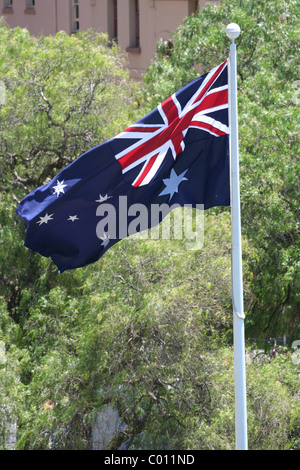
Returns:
<point x="233" y="31"/>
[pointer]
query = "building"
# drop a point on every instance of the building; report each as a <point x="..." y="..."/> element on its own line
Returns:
<point x="136" y="25"/>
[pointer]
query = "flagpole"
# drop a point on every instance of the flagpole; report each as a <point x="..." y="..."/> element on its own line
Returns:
<point x="233" y="31"/>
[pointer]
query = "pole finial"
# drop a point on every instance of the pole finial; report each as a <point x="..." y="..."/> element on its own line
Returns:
<point x="233" y="31"/>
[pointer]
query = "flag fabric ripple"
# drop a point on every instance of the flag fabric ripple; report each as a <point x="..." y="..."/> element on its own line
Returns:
<point x="176" y="154"/>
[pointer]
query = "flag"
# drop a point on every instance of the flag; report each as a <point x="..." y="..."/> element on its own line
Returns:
<point x="176" y="154"/>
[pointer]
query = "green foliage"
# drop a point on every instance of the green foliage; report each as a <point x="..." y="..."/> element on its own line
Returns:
<point x="272" y="407"/>
<point x="60" y="94"/>
<point x="269" y="41"/>
<point x="268" y="70"/>
<point x="157" y="328"/>
<point x="59" y="101"/>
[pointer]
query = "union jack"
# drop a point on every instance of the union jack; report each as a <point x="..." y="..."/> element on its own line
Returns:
<point x="153" y="141"/>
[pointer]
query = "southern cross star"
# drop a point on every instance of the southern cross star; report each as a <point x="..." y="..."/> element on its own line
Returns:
<point x="173" y="183"/>
<point x="45" y="219"/>
<point x="105" y="240"/>
<point x="59" y="188"/>
<point x="102" y="198"/>
<point x="73" y="218"/>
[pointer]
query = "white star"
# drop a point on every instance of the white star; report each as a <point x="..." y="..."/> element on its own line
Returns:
<point x="102" y="198"/>
<point x="73" y="218"/>
<point x="105" y="240"/>
<point x="59" y="188"/>
<point x="173" y="183"/>
<point x="45" y="219"/>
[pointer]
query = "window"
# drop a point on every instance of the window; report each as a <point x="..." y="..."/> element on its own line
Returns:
<point x="134" y="27"/>
<point x="113" y="19"/>
<point x="30" y="7"/>
<point x="137" y="23"/>
<point x="75" y="16"/>
<point x="8" y="6"/>
<point x="193" y="6"/>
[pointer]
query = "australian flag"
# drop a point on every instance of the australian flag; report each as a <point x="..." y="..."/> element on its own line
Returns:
<point x="176" y="154"/>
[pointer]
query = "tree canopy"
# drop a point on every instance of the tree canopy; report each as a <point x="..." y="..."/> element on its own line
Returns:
<point x="268" y="68"/>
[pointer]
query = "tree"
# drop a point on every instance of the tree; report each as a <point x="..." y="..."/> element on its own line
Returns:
<point x="60" y="100"/>
<point x="60" y="97"/>
<point x="268" y="63"/>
